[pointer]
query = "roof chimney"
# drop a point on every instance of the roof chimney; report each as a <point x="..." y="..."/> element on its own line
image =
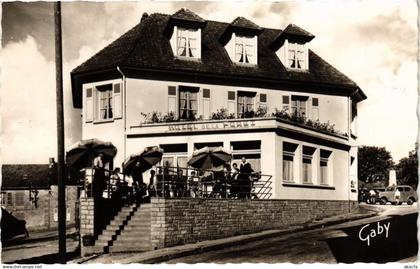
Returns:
<point x="144" y="16"/>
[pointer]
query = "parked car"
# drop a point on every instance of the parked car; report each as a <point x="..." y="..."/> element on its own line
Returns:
<point x="407" y="195"/>
<point x="11" y="227"/>
<point x="363" y="195"/>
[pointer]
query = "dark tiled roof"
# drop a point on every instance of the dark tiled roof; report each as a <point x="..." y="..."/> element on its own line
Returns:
<point x="186" y="14"/>
<point x="296" y="30"/>
<point x="22" y="175"/>
<point x="244" y="23"/>
<point x="146" y="47"/>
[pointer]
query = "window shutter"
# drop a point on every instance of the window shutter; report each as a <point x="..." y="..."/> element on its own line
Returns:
<point x="89" y="105"/>
<point x="95" y="104"/>
<point x="206" y="103"/>
<point x="286" y="102"/>
<point x="117" y="101"/>
<point x="315" y="109"/>
<point x="231" y="102"/>
<point x="172" y="107"/>
<point x="198" y="43"/>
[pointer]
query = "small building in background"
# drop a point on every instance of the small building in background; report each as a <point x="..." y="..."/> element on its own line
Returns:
<point x="29" y="192"/>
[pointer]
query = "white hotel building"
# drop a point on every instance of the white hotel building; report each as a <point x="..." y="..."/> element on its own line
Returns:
<point x="182" y="82"/>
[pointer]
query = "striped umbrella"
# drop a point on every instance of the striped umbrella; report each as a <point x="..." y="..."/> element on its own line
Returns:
<point x="147" y="158"/>
<point x="206" y="158"/>
<point x="82" y="153"/>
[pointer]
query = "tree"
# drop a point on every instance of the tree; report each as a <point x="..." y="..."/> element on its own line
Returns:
<point x="374" y="164"/>
<point x="407" y="170"/>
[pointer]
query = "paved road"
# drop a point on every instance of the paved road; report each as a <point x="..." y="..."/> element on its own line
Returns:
<point x="302" y="247"/>
<point x="36" y="252"/>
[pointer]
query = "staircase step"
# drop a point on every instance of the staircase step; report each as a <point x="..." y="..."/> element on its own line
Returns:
<point x="135" y="234"/>
<point x="129" y="248"/>
<point x="135" y="228"/>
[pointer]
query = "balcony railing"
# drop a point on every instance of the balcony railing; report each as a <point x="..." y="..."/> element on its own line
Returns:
<point x="171" y="182"/>
<point x="222" y="114"/>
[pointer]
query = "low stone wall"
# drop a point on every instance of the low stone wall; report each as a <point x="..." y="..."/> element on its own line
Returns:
<point x="176" y="221"/>
<point x="87" y="213"/>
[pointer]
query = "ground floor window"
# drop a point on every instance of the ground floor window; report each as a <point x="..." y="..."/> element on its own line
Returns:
<point x="250" y="150"/>
<point x="174" y="156"/>
<point x="288" y="161"/>
<point x="324" y="166"/>
<point x="307" y="153"/>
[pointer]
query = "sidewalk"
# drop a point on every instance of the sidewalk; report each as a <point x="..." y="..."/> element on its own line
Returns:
<point x="161" y="255"/>
<point x="38" y="236"/>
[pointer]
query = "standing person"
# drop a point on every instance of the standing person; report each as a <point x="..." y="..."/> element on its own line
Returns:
<point x="152" y="184"/>
<point x="245" y="171"/>
<point x="98" y="177"/>
<point x="137" y="174"/>
<point x="397" y="196"/>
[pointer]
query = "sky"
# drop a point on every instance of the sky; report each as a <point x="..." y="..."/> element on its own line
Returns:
<point x="372" y="42"/>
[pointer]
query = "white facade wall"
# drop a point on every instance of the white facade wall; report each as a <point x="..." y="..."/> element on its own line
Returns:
<point x="145" y="96"/>
<point x="151" y="95"/>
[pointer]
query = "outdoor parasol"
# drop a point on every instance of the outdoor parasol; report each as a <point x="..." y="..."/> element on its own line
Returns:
<point x="206" y="158"/>
<point x="147" y="158"/>
<point x="82" y="153"/>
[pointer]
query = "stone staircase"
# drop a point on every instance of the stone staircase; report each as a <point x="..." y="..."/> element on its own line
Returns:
<point x="129" y="231"/>
<point x="135" y="236"/>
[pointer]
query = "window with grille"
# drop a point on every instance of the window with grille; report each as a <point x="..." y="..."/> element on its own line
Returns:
<point x="188" y="103"/>
<point x="19" y="199"/>
<point x="244" y="49"/>
<point x="9" y="199"/>
<point x="187" y="43"/>
<point x="296" y="56"/>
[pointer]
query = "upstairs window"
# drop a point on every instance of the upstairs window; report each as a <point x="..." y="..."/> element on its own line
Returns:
<point x="245" y="50"/>
<point x="188" y="103"/>
<point x="105" y="103"/>
<point x="296" y="56"/>
<point x="299" y="104"/>
<point x="245" y="104"/>
<point x="187" y="43"/>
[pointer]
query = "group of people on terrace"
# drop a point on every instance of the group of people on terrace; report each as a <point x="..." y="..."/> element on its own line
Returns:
<point x="228" y="181"/>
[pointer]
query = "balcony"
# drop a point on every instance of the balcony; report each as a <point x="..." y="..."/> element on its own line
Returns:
<point x="165" y="124"/>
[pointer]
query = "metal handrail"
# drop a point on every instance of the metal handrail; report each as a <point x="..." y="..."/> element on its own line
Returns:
<point x="201" y="183"/>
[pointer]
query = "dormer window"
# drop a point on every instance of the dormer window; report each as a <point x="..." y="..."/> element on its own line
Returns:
<point x="296" y="56"/>
<point x="240" y="40"/>
<point x="187" y="43"/>
<point x="244" y="49"/>
<point x="184" y="31"/>
<point x="291" y="47"/>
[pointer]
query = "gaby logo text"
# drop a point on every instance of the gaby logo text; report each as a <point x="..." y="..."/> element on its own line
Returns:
<point x="370" y="231"/>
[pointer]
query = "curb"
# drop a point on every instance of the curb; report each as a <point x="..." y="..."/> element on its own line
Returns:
<point x="165" y="254"/>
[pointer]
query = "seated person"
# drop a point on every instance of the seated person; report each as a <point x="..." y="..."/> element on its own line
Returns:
<point x="194" y="183"/>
